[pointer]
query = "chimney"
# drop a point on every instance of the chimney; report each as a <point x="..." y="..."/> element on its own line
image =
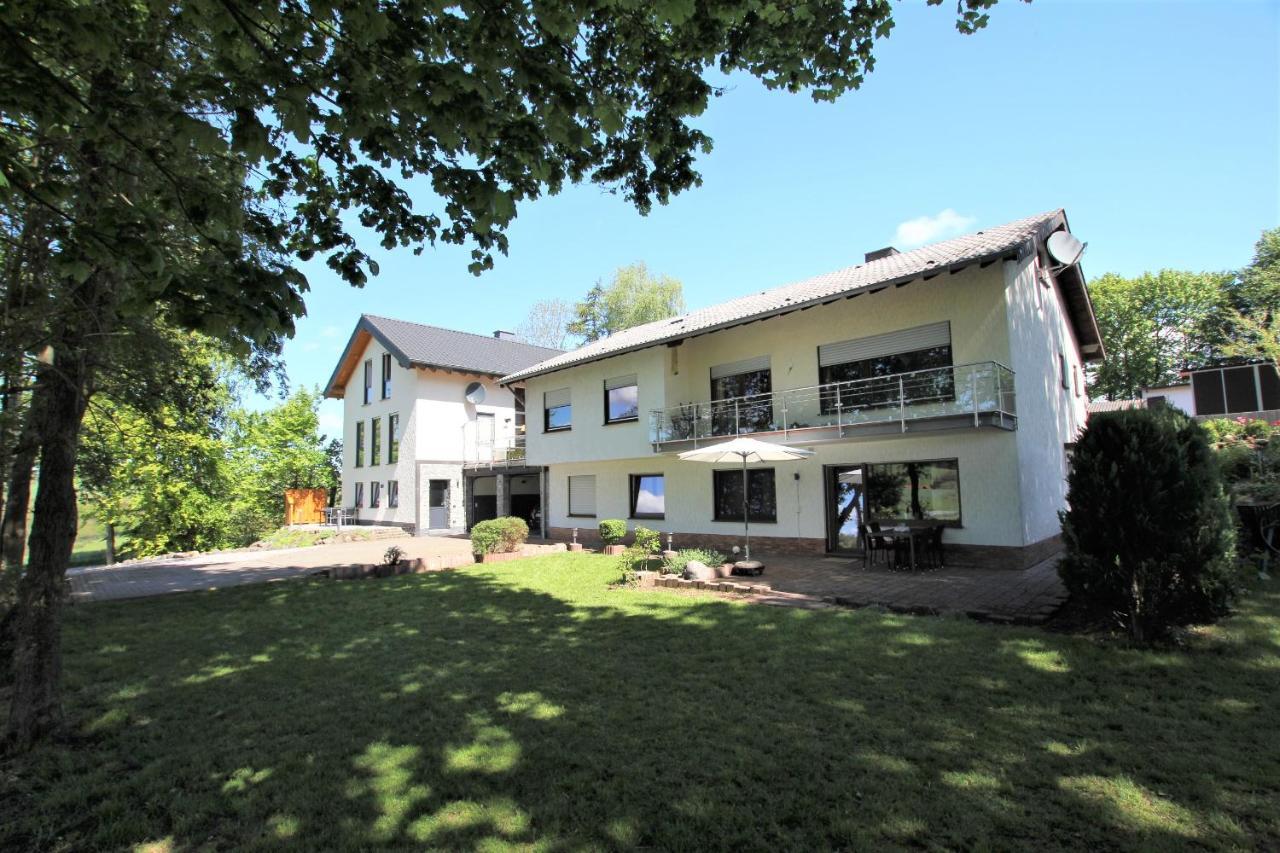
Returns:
<point x="504" y="335"/>
<point x="886" y="252"/>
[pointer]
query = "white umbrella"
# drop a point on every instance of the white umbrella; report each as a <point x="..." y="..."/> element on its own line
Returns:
<point x="746" y="450"/>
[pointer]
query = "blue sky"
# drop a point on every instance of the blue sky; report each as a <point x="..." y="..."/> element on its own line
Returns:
<point x="1155" y="124"/>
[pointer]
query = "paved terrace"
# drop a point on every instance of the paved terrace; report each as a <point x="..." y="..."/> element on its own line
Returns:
<point x="1001" y="595"/>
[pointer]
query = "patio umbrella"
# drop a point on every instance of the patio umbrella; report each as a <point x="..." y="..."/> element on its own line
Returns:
<point x="745" y="450"/>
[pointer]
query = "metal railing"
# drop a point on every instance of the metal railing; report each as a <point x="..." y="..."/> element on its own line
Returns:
<point x="507" y="450"/>
<point x="968" y="390"/>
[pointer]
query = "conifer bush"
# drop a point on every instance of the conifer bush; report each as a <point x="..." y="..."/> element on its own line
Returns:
<point x="1148" y="529"/>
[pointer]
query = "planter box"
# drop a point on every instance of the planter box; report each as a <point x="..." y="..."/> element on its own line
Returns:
<point x="575" y="546"/>
<point x="498" y="557"/>
<point x="614" y="550"/>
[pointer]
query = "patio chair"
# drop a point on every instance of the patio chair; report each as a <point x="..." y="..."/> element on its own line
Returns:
<point x="933" y="548"/>
<point x="873" y="543"/>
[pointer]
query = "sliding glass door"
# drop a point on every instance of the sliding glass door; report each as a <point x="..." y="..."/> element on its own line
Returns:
<point x="846" y="507"/>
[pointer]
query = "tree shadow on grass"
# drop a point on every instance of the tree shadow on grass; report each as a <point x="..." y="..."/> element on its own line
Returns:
<point x="524" y="705"/>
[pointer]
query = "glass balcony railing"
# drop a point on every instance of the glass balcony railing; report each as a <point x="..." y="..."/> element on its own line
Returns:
<point x="981" y="391"/>
<point x="509" y="450"/>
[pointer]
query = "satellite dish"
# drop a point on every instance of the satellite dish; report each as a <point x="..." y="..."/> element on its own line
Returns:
<point x="474" y="393"/>
<point x="1064" y="247"/>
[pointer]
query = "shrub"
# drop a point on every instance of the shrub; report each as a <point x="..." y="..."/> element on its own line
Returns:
<point x="393" y="556"/>
<point x="646" y="540"/>
<point x="613" y="531"/>
<point x="675" y="565"/>
<point x="1148" y="529"/>
<point x="506" y="533"/>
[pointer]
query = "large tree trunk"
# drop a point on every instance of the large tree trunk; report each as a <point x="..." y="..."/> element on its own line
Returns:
<point x="58" y="402"/>
<point x="13" y="529"/>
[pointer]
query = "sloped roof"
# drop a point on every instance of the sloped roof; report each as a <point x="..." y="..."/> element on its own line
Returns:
<point x="925" y="262"/>
<point x="419" y="345"/>
<point x="1114" y="405"/>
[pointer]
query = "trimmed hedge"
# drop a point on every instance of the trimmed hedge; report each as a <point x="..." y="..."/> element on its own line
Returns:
<point x="613" y="531"/>
<point x="506" y="533"/>
<point x="1148" y="528"/>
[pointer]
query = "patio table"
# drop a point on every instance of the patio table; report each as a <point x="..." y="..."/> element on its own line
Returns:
<point x="909" y="533"/>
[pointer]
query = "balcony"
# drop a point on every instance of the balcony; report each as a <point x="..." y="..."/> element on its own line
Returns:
<point x="964" y="396"/>
<point x="501" y="453"/>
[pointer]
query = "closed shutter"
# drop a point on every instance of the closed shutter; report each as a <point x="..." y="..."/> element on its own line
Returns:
<point x="890" y="343"/>
<point x="747" y="365"/>
<point x="552" y="399"/>
<point x="620" y="382"/>
<point x="582" y="495"/>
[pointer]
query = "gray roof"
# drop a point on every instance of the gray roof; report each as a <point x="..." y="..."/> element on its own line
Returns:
<point x="1095" y="406"/>
<point x="419" y="345"/>
<point x="926" y="262"/>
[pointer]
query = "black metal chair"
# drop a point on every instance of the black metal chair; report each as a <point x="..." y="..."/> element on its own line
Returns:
<point x="873" y="543"/>
<point x="933" y="548"/>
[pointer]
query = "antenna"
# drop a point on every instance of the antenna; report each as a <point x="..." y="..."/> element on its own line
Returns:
<point x="474" y="393"/>
<point x="1064" y="247"/>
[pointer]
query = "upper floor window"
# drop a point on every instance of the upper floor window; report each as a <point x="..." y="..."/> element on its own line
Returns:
<point x="393" y="437"/>
<point x="741" y="395"/>
<point x="648" y="496"/>
<point x="375" y="436"/>
<point x="557" y="411"/>
<point x="621" y="400"/>
<point x="359" y="444"/>
<point x="884" y="369"/>
<point x="368" y="381"/>
<point x="386" y="376"/>
<point x="762" y="496"/>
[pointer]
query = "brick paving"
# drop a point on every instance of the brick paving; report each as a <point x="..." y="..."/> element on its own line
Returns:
<point x="1026" y="597"/>
<point x="234" y="568"/>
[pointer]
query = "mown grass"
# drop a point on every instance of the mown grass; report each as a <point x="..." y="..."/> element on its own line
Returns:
<point x="527" y="705"/>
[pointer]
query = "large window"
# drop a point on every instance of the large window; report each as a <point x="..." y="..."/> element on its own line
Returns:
<point x="359" y="444"/>
<point x="386" y="376"/>
<point x="741" y="397"/>
<point x="393" y="493"/>
<point x="368" y="382"/>
<point x="919" y="490"/>
<point x="621" y="400"/>
<point x="582" y="496"/>
<point x="762" y="496"/>
<point x="359" y="496"/>
<point x="375" y="441"/>
<point x="648" y="496"/>
<point x="393" y="438"/>
<point x="557" y="410"/>
<point x="375" y="494"/>
<point x="866" y="372"/>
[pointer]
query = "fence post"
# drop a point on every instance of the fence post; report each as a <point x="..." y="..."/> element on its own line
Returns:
<point x="973" y="392"/>
<point x="902" y="403"/>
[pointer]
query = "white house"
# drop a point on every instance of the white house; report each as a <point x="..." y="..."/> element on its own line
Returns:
<point x="944" y="382"/>
<point x="431" y="441"/>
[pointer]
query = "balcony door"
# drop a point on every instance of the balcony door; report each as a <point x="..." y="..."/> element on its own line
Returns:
<point x="846" y="507"/>
<point x="485" y="435"/>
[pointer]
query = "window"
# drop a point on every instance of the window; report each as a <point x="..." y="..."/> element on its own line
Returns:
<point x="375" y="441"/>
<point x="621" y="400"/>
<point x="375" y="494"/>
<point x="741" y="398"/>
<point x="1063" y="372"/>
<point x="1076" y="383"/>
<point x="368" y="382"/>
<point x="557" y="410"/>
<point x="359" y="444"/>
<point x="393" y="493"/>
<point x="393" y="438"/>
<point x="864" y="373"/>
<point x="648" y="496"/>
<point x="359" y="497"/>
<point x="582" y="496"/>
<point x="762" y="497"/>
<point x="920" y="490"/>
<point x="386" y="376"/>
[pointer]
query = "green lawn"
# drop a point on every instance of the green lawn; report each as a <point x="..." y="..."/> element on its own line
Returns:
<point x="527" y="705"/>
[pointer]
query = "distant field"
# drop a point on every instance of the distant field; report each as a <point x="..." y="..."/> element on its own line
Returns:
<point x="91" y="543"/>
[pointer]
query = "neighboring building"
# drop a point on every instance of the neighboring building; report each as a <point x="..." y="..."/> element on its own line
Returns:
<point x="945" y="382"/>
<point x="1177" y="395"/>
<point x="431" y="441"/>
<point x="1229" y="390"/>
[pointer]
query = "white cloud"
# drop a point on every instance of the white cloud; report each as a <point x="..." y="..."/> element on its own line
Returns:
<point x="330" y="332"/>
<point x="925" y="229"/>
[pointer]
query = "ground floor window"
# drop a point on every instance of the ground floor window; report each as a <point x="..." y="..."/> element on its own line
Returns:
<point x="920" y="490"/>
<point x="359" y="495"/>
<point x="375" y="494"/>
<point x="393" y="493"/>
<point x="582" y="496"/>
<point x="648" y="496"/>
<point x="762" y="496"/>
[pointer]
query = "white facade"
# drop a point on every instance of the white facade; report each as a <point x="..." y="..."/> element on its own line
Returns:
<point x="439" y="432"/>
<point x="1012" y="481"/>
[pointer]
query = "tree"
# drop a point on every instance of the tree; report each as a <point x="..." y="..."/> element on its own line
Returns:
<point x="547" y="324"/>
<point x="1155" y="325"/>
<point x="182" y="156"/>
<point x="633" y="298"/>
<point x="1148" y="528"/>
<point x="1255" y="303"/>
